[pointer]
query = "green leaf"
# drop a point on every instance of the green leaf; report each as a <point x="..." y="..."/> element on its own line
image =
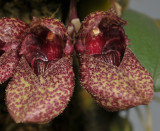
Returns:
<point x="144" y="36"/>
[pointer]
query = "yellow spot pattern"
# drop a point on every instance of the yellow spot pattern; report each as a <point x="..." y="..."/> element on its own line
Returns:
<point x="116" y="88"/>
<point x="39" y="99"/>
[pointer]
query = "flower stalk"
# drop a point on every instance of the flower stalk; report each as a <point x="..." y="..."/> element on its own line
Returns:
<point x="74" y="21"/>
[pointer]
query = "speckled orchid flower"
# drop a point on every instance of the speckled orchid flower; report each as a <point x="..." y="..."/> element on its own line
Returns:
<point x="109" y="70"/>
<point x="43" y="80"/>
<point x="12" y="32"/>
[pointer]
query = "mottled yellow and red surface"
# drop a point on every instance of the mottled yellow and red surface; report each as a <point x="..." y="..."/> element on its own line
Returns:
<point x="8" y="63"/>
<point x="32" y="98"/>
<point x="111" y="73"/>
<point x="12" y="32"/>
<point x="116" y="88"/>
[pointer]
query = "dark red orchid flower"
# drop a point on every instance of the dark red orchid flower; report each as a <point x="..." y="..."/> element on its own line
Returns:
<point x="109" y="70"/>
<point x="43" y="79"/>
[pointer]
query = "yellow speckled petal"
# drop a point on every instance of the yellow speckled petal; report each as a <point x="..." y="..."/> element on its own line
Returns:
<point x="8" y="63"/>
<point x="39" y="99"/>
<point x="116" y="88"/>
<point x="139" y="75"/>
<point x="12" y="31"/>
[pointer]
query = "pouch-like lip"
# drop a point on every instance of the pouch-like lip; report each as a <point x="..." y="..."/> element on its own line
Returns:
<point x="63" y="87"/>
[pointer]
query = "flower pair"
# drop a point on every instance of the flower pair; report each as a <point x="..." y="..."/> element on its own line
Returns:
<point x="39" y="57"/>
